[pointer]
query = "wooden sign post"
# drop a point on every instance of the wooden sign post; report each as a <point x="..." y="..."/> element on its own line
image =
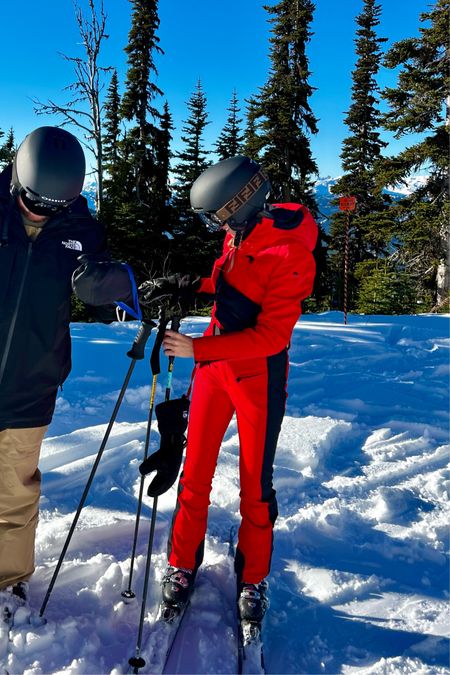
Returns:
<point x="346" y="204"/>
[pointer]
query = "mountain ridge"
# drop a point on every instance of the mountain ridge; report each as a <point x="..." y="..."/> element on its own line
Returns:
<point x="322" y="190"/>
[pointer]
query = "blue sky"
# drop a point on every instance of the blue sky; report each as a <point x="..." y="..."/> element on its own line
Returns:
<point x="225" y="44"/>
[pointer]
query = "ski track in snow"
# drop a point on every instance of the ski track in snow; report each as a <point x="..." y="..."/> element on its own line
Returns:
<point x="359" y="581"/>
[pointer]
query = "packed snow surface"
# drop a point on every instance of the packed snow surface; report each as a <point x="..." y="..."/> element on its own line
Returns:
<point x="359" y="581"/>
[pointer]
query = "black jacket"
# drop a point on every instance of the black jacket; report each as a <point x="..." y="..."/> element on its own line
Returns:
<point x="35" y="291"/>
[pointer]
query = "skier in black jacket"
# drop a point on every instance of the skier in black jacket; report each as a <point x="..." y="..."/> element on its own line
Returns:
<point x="45" y="226"/>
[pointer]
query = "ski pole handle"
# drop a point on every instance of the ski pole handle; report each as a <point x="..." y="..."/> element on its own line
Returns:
<point x="175" y="323"/>
<point x="137" y="350"/>
<point x="155" y="363"/>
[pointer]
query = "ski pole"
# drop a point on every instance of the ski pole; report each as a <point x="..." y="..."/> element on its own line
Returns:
<point x="136" y="353"/>
<point x="174" y="325"/>
<point x="136" y="661"/>
<point x="129" y="594"/>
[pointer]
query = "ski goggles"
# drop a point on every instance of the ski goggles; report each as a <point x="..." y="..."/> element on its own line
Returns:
<point x="40" y="207"/>
<point x="211" y="220"/>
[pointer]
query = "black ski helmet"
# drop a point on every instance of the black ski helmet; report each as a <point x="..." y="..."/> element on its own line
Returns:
<point x="48" y="170"/>
<point x="232" y="191"/>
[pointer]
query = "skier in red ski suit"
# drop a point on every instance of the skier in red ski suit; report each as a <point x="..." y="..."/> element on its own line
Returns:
<point x="266" y="270"/>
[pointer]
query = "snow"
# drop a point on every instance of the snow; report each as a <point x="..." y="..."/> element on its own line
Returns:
<point x="359" y="581"/>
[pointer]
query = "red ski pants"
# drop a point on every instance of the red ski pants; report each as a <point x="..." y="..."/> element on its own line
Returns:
<point x="256" y="390"/>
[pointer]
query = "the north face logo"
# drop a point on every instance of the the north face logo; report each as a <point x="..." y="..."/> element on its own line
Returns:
<point x="72" y="244"/>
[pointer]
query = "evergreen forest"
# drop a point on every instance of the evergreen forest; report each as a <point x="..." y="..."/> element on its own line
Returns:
<point x="394" y="251"/>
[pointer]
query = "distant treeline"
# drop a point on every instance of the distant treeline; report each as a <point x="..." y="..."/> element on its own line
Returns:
<point x="396" y="251"/>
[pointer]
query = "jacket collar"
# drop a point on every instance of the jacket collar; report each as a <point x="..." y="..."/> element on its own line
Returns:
<point x="282" y="223"/>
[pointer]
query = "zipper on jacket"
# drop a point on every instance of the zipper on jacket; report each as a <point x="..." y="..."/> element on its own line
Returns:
<point x="16" y="312"/>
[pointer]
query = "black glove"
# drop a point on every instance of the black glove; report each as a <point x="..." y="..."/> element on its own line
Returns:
<point x="175" y="290"/>
<point x="101" y="281"/>
<point x="172" y="419"/>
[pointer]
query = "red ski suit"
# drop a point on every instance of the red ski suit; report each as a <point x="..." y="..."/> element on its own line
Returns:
<point x="242" y="366"/>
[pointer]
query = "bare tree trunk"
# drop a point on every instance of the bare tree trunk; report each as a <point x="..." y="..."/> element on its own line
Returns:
<point x="84" y="110"/>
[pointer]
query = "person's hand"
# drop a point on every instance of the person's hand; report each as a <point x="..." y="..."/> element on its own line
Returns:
<point x="155" y="290"/>
<point x="177" y="344"/>
<point x="176" y="289"/>
<point x="101" y="281"/>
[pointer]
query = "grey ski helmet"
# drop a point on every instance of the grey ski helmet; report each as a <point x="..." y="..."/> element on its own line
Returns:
<point x="48" y="170"/>
<point x="230" y="192"/>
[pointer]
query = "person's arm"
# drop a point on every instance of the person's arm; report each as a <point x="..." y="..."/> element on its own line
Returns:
<point x="99" y="282"/>
<point x="290" y="283"/>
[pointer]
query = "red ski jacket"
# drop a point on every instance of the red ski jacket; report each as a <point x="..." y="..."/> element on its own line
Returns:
<point x="259" y="286"/>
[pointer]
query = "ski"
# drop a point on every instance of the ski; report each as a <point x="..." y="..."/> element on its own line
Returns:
<point x="5" y="630"/>
<point x="6" y="624"/>
<point x="163" y="636"/>
<point x="250" y="648"/>
<point x="250" y="654"/>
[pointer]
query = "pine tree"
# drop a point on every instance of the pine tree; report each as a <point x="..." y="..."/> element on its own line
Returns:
<point x="252" y="143"/>
<point x="112" y="155"/>
<point x="141" y="91"/>
<point x="193" y="159"/>
<point x="229" y="143"/>
<point x="142" y="44"/>
<point x="8" y="149"/>
<point x="370" y="228"/>
<point x="119" y="177"/>
<point x="112" y="123"/>
<point x="161" y="185"/>
<point x="280" y="121"/>
<point x="384" y="288"/>
<point x="286" y="118"/>
<point x="2" y="160"/>
<point x="137" y="193"/>
<point x="420" y="104"/>
<point x="193" y="243"/>
<point x="364" y="146"/>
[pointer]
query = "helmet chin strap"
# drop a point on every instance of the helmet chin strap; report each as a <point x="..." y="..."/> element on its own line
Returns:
<point x="265" y="213"/>
<point x="248" y="225"/>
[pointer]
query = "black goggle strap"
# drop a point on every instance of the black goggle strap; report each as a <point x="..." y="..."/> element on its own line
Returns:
<point x="41" y="207"/>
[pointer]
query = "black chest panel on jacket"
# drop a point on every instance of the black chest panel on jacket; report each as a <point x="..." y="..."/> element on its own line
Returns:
<point x="234" y="310"/>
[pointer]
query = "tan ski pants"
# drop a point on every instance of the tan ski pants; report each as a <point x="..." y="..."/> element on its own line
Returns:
<point x="20" y="483"/>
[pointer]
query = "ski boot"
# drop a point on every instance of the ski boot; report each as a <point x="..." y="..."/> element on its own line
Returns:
<point x="253" y="601"/>
<point x="177" y="585"/>
<point x="13" y="597"/>
<point x="252" y="605"/>
<point x="20" y="592"/>
<point x="13" y="606"/>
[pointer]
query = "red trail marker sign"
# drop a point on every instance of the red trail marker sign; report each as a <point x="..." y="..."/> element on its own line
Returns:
<point x="347" y="203"/>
